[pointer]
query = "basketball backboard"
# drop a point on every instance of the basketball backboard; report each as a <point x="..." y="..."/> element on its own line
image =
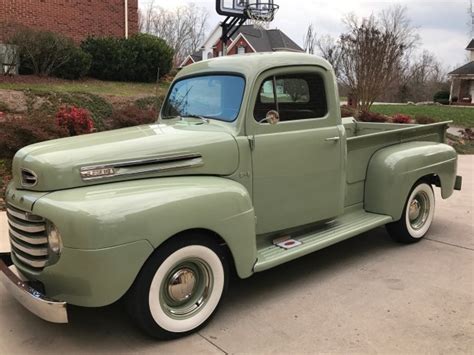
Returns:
<point x="234" y="8"/>
<point x="237" y="8"/>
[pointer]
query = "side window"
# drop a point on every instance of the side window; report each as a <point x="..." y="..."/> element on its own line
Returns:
<point x="292" y="90"/>
<point x="294" y="96"/>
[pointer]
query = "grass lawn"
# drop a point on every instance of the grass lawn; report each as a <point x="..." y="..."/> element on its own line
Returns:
<point x="95" y="87"/>
<point x="462" y="117"/>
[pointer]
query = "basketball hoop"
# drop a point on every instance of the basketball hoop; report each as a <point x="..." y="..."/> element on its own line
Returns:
<point x="261" y="14"/>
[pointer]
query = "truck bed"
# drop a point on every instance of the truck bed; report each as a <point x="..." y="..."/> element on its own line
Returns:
<point x="364" y="139"/>
<point x="356" y="130"/>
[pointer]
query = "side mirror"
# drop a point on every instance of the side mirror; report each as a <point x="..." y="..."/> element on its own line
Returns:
<point x="273" y="118"/>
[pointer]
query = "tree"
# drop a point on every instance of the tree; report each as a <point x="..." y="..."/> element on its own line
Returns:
<point x="374" y="52"/>
<point x="330" y="50"/>
<point x="182" y="28"/>
<point x="424" y="77"/>
<point x="326" y="46"/>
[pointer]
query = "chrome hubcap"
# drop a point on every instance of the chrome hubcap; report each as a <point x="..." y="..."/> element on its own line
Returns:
<point x="419" y="210"/>
<point x="415" y="209"/>
<point x="186" y="289"/>
<point x="181" y="285"/>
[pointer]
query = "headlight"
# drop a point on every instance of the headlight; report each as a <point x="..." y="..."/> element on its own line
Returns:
<point x="54" y="239"/>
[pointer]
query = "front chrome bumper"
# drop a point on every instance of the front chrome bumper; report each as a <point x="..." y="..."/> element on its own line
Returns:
<point x="37" y="303"/>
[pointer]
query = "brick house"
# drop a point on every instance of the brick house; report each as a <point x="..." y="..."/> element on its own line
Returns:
<point x="247" y="39"/>
<point x="76" y="19"/>
<point x="462" y="80"/>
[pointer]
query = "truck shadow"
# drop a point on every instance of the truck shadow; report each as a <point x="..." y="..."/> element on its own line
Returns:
<point x="323" y="264"/>
<point x="110" y="329"/>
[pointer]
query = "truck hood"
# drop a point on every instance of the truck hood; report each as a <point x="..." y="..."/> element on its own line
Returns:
<point x="126" y="154"/>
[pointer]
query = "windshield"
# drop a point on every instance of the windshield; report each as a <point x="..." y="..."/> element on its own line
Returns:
<point x="213" y="96"/>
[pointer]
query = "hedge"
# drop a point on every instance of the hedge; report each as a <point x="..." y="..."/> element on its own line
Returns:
<point x="49" y="54"/>
<point x="135" y="59"/>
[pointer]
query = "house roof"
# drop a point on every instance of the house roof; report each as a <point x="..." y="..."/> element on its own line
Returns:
<point x="467" y="69"/>
<point x="267" y="40"/>
<point x="470" y="46"/>
<point x="260" y="40"/>
<point x="197" y="56"/>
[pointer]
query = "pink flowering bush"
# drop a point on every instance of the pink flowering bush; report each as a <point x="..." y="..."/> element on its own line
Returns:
<point x="75" y="120"/>
<point x="400" y="118"/>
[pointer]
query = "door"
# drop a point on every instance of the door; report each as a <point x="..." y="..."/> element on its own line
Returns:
<point x="297" y="163"/>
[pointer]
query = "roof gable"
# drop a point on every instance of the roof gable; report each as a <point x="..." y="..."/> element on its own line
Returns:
<point x="470" y="46"/>
<point x="216" y="32"/>
<point x="241" y="36"/>
<point x="195" y="57"/>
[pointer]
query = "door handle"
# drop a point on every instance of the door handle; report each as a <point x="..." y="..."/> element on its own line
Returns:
<point x="333" y="139"/>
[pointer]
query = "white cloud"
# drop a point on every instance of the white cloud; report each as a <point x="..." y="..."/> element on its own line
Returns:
<point x="442" y="24"/>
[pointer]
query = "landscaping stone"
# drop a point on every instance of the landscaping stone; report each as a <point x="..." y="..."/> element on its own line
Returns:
<point x="14" y="101"/>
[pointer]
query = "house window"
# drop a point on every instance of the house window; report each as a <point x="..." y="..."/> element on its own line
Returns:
<point x="209" y="55"/>
<point x="294" y="96"/>
<point x="241" y="50"/>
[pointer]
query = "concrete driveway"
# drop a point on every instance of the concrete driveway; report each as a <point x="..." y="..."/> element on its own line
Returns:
<point x="366" y="295"/>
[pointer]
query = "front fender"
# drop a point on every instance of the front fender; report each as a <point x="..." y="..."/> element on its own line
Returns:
<point x="154" y="210"/>
<point x="393" y="171"/>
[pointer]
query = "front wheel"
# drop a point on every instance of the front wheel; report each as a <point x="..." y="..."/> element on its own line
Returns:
<point x="417" y="215"/>
<point x="179" y="288"/>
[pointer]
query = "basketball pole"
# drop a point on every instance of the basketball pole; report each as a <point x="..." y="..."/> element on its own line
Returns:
<point x="230" y="26"/>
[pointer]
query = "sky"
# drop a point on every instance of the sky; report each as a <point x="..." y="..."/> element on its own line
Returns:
<point x="444" y="26"/>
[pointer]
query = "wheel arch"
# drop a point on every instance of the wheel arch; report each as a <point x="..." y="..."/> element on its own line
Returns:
<point x="208" y="235"/>
<point x="393" y="171"/>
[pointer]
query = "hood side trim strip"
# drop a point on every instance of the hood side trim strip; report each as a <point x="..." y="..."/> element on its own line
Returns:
<point x="165" y="163"/>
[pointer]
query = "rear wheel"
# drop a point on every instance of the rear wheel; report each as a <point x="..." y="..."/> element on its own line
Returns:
<point x="417" y="215"/>
<point x="179" y="288"/>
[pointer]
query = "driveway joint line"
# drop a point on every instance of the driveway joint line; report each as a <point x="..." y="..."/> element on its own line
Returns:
<point x="210" y="342"/>
<point x="452" y="245"/>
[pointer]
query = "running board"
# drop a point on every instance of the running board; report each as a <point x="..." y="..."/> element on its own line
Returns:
<point x="343" y="228"/>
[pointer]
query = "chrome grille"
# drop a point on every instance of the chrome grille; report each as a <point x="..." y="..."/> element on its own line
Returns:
<point x="28" y="238"/>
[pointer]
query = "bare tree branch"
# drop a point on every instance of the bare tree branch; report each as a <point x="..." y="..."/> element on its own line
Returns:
<point x="330" y="50"/>
<point x="182" y="28"/>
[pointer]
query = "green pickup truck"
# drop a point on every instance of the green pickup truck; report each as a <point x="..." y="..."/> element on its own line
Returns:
<point x="248" y="167"/>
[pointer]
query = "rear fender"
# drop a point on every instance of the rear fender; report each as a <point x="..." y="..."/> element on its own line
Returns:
<point x="393" y="171"/>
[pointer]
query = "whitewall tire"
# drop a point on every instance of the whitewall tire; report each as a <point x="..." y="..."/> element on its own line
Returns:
<point x="417" y="215"/>
<point x="179" y="288"/>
